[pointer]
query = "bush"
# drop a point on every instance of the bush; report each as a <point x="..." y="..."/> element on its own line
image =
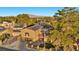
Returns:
<point x="49" y="45"/>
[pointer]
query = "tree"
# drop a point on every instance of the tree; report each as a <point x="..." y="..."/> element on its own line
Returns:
<point x="67" y="23"/>
<point x="24" y="18"/>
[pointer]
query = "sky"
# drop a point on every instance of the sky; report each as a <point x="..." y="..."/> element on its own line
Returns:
<point x="41" y="11"/>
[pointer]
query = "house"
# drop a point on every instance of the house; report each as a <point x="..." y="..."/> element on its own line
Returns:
<point x="35" y="32"/>
<point x="32" y="34"/>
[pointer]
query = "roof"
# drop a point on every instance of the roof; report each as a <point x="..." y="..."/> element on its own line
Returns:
<point x="18" y="26"/>
<point x="35" y="27"/>
<point x="41" y="26"/>
<point x="7" y="21"/>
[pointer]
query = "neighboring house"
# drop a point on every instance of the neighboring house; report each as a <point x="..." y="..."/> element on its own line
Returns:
<point x="7" y="24"/>
<point x="17" y="29"/>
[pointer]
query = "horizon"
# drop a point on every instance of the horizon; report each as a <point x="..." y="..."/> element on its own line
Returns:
<point x="38" y="11"/>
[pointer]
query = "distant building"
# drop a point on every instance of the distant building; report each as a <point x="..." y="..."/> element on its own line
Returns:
<point x="7" y="24"/>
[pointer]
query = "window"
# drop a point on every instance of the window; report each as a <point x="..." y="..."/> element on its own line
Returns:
<point x="26" y="34"/>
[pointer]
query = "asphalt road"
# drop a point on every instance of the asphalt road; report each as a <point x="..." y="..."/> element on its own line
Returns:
<point x="6" y="49"/>
<point x="21" y="45"/>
